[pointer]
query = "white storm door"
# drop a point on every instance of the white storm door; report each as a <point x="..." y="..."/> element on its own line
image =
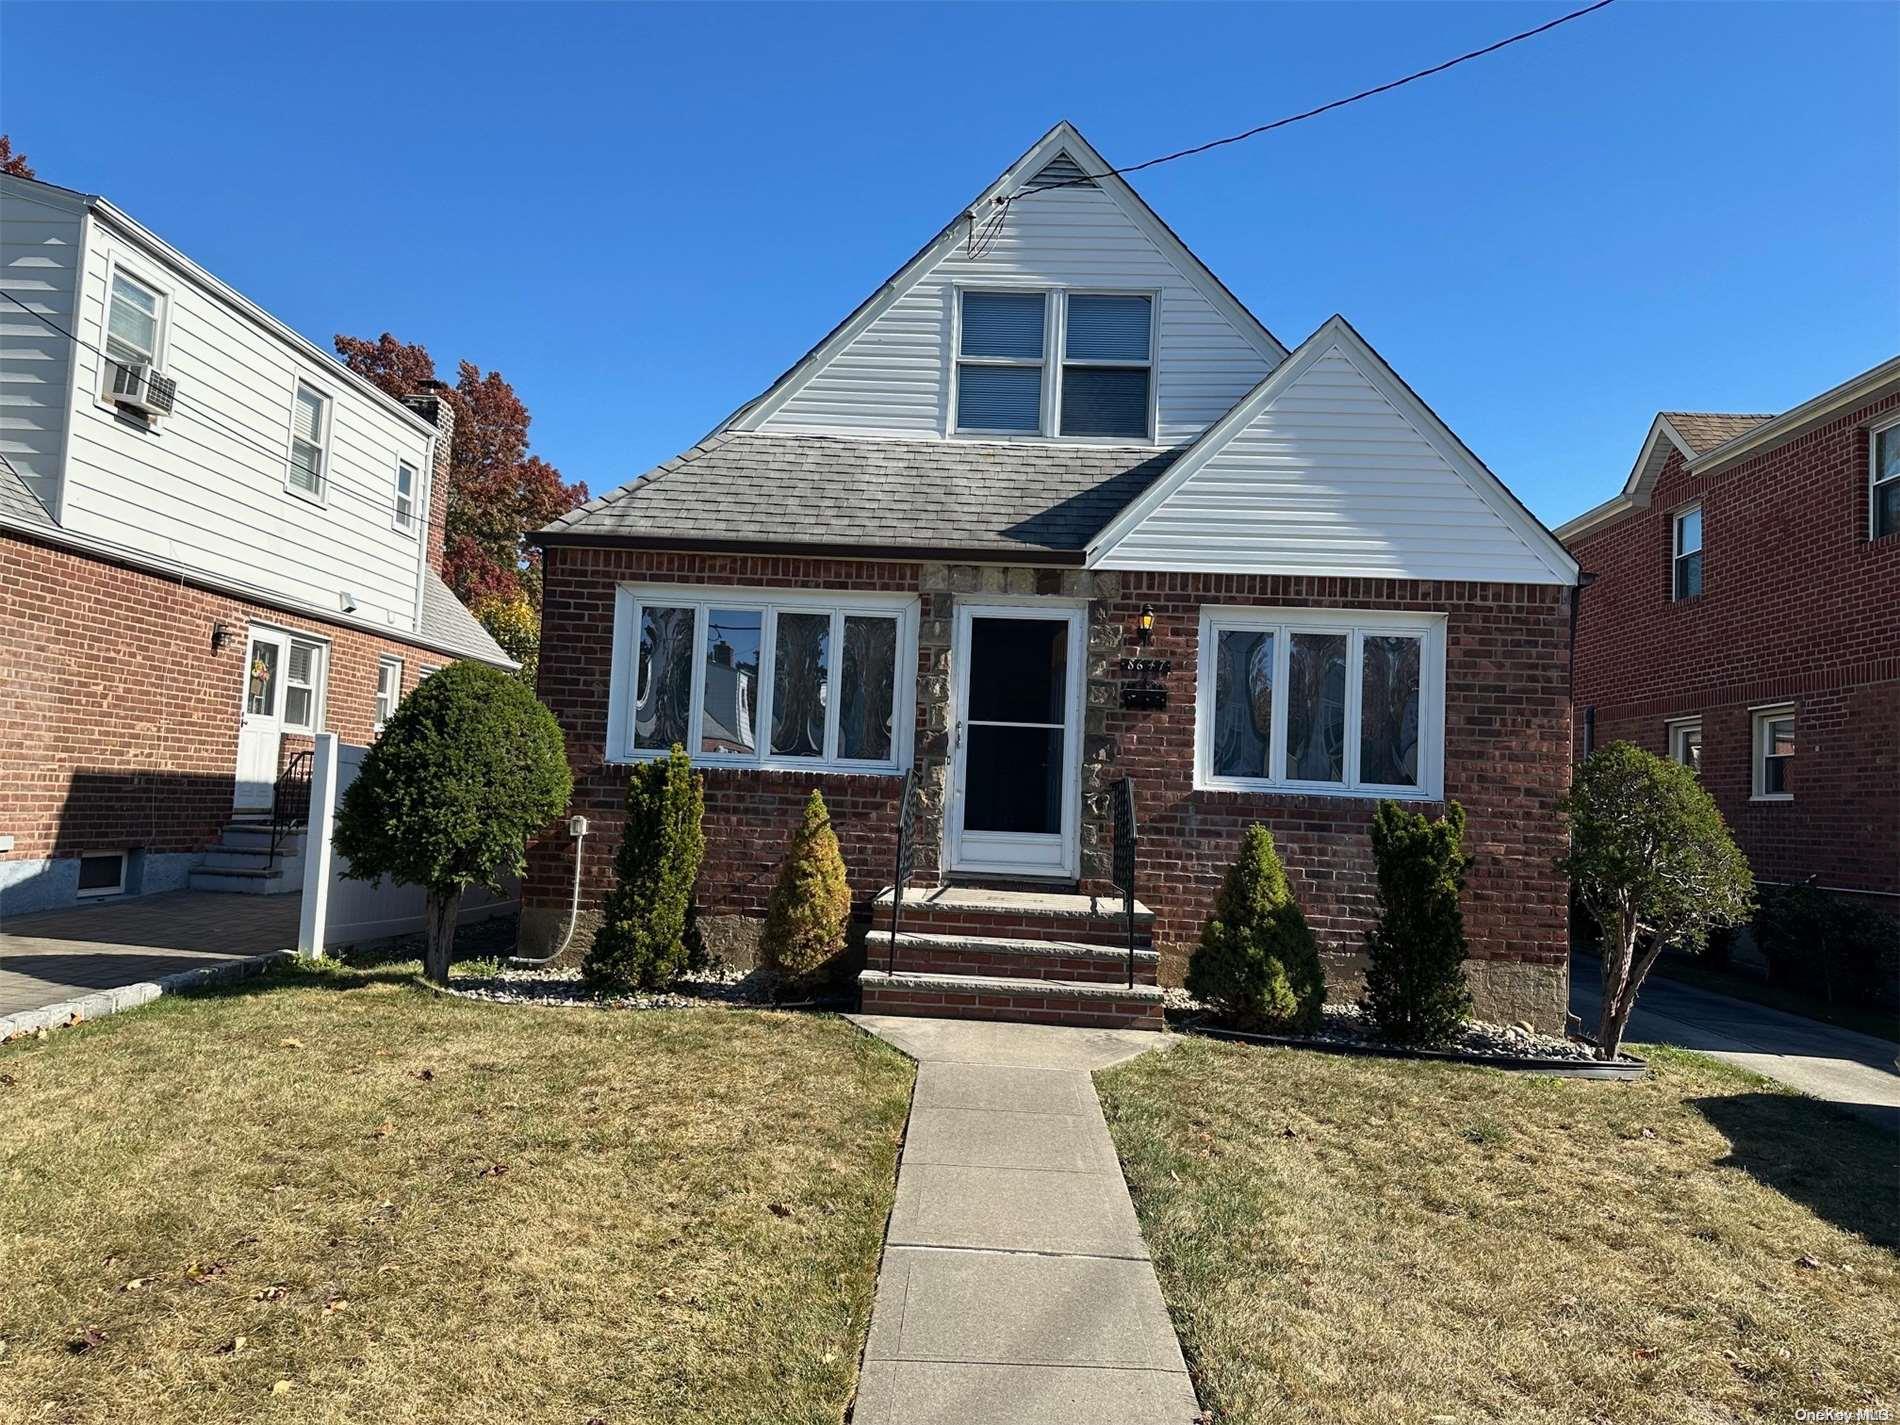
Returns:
<point x="261" y="727"/>
<point x="1015" y="789"/>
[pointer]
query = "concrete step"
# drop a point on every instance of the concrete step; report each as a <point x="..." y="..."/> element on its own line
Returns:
<point x="924" y="952"/>
<point x="255" y="881"/>
<point x="224" y="858"/>
<point x="1023" y="1001"/>
<point x="1013" y="915"/>
<point x="239" y="836"/>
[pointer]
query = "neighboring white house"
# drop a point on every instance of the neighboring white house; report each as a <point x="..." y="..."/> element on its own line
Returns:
<point x="216" y="539"/>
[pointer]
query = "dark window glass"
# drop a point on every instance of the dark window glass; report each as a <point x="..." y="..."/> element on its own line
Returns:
<point x="1013" y="779"/>
<point x="1388" y="711"/>
<point x="1018" y="669"/>
<point x="98" y="873"/>
<point x="1105" y="400"/>
<point x="665" y="681"/>
<point x="1243" y="702"/>
<point x="1316" y="708"/>
<point x="803" y="659"/>
<point x="867" y="688"/>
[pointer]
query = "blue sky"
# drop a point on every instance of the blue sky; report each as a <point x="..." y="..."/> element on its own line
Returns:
<point x="642" y="215"/>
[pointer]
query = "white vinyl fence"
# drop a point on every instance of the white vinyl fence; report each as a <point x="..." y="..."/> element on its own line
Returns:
<point x="337" y="911"/>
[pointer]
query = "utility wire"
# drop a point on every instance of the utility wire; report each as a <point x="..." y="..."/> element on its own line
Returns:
<point x="1258" y="129"/>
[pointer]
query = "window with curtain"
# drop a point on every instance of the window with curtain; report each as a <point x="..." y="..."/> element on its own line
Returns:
<point x="132" y="322"/>
<point x="309" y="436"/>
<point x="1000" y="362"/>
<point x="388" y="689"/>
<point x="768" y="678"/>
<point x="1321" y="701"/>
<point x="303" y="673"/>
<point x="1106" y="365"/>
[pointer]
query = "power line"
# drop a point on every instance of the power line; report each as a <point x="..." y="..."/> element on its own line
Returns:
<point x="1258" y="129"/>
<point x="374" y="499"/>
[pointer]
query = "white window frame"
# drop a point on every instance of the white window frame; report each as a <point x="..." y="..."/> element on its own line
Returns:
<point x="1680" y="731"/>
<point x="1874" y="482"/>
<point x="1678" y="553"/>
<point x="115" y="269"/>
<point x="319" y="667"/>
<point x="125" y="865"/>
<point x="321" y="495"/>
<point x="1760" y="720"/>
<point x="630" y="599"/>
<point x="1055" y="331"/>
<point x="383" y="665"/>
<point x="1357" y="624"/>
<point x="397" y="520"/>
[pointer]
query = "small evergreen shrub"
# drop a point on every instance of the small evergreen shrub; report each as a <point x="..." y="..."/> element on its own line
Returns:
<point x="1257" y="961"/>
<point x="1828" y="946"/>
<point x="642" y="939"/>
<point x="1415" y="990"/>
<point x="811" y="901"/>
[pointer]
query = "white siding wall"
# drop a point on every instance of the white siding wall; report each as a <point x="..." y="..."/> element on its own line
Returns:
<point x="39" y="264"/>
<point x="1331" y="478"/>
<point x="892" y="378"/>
<point x="215" y="499"/>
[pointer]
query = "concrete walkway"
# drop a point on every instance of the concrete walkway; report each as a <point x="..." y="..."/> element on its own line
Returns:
<point x="1015" y="1286"/>
<point x="1853" y="1070"/>
<point x="68" y="956"/>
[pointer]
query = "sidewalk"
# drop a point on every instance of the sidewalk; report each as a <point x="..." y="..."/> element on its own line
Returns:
<point x="1015" y="1286"/>
<point x="1839" y="1065"/>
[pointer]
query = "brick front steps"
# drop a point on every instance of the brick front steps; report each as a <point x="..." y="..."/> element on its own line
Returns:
<point x="1027" y="956"/>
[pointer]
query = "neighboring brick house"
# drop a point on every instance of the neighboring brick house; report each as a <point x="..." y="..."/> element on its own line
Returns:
<point x="1052" y="509"/>
<point x="215" y="541"/>
<point x="1742" y="614"/>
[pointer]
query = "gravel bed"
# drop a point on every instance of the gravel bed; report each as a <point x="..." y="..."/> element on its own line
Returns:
<point x="715" y="985"/>
<point x="1346" y="1024"/>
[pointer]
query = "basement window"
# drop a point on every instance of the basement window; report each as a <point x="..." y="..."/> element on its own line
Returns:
<point x="764" y="678"/>
<point x="102" y="873"/>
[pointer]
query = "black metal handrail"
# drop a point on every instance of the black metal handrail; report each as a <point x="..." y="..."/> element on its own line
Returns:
<point x="1122" y="796"/>
<point x="906" y="854"/>
<point x="289" y="800"/>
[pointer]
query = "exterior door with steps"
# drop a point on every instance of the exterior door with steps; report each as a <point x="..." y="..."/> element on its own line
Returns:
<point x="261" y="727"/>
<point x="1017" y="690"/>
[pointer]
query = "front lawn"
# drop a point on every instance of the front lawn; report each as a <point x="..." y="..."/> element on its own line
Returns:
<point x="1349" y="1239"/>
<point x="412" y="1207"/>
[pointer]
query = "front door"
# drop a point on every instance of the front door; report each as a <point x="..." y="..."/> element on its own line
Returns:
<point x="1016" y="765"/>
<point x="261" y="728"/>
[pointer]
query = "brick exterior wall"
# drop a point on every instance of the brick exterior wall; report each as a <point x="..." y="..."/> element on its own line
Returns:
<point x="1508" y="716"/>
<point x="1798" y="606"/>
<point x="118" y="723"/>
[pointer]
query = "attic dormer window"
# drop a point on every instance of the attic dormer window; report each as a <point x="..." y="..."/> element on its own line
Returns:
<point x="1000" y="362"/>
<point x="1107" y="365"/>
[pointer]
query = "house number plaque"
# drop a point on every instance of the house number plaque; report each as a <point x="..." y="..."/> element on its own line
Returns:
<point x="1142" y="688"/>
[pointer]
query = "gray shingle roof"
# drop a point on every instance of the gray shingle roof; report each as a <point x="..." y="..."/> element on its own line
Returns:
<point x="18" y="502"/>
<point x="447" y="623"/>
<point x="754" y="487"/>
<point x="1704" y="430"/>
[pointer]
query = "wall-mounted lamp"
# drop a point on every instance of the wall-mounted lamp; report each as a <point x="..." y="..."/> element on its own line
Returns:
<point x="220" y="633"/>
<point x="1145" y="627"/>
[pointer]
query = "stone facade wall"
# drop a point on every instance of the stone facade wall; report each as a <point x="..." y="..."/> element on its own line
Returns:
<point x="1508" y="734"/>
<point x="1798" y="605"/>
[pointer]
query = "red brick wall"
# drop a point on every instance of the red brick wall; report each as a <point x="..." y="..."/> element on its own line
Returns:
<point x="1507" y="709"/>
<point x="118" y="723"/>
<point x="1798" y="606"/>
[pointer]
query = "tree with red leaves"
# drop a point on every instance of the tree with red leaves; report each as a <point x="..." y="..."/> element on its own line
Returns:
<point x="498" y="492"/>
<point x="13" y="162"/>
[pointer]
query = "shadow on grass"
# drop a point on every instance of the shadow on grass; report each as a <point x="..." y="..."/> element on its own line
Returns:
<point x="1841" y="1168"/>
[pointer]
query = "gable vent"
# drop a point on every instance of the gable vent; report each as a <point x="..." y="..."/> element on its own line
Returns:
<point x="1063" y="169"/>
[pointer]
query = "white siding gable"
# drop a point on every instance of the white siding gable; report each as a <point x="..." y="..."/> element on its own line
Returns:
<point x="886" y="371"/>
<point x="40" y="249"/>
<point x="1332" y="467"/>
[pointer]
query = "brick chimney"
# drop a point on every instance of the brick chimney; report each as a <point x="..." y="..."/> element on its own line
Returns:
<point x="434" y="407"/>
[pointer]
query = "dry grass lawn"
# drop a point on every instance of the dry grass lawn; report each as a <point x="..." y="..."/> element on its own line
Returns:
<point x="420" y="1208"/>
<point x="1349" y="1240"/>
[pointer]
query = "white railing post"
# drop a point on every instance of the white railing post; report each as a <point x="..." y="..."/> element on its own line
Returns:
<point x="315" y="911"/>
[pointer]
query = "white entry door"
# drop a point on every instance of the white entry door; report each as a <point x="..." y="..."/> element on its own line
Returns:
<point x="1015" y="774"/>
<point x="261" y="728"/>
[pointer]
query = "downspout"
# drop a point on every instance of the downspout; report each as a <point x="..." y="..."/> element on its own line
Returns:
<point x="1584" y="581"/>
<point x="576" y="828"/>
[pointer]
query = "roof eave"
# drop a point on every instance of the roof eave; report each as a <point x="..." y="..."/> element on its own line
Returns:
<point x="908" y="553"/>
<point x="1868" y="385"/>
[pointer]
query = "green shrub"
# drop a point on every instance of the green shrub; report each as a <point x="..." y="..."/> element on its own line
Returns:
<point x="1415" y="989"/>
<point x="1257" y="961"/>
<point x="1832" y="947"/>
<point x="642" y="940"/>
<point x="811" y="901"/>
<point x="467" y="768"/>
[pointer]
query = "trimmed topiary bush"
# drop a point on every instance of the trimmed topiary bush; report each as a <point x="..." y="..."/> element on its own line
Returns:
<point x="468" y="767"/>
<point x="811" y="901"/>
<point x="642" y="942"/>
<point x="1415" y="990"/>
<point x="1257" y="961"/>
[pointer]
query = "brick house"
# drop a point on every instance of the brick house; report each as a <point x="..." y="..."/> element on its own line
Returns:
<point x="215" y="542"/>
<point x="1742" y="615"/>
<point x="1049" y="510"/>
